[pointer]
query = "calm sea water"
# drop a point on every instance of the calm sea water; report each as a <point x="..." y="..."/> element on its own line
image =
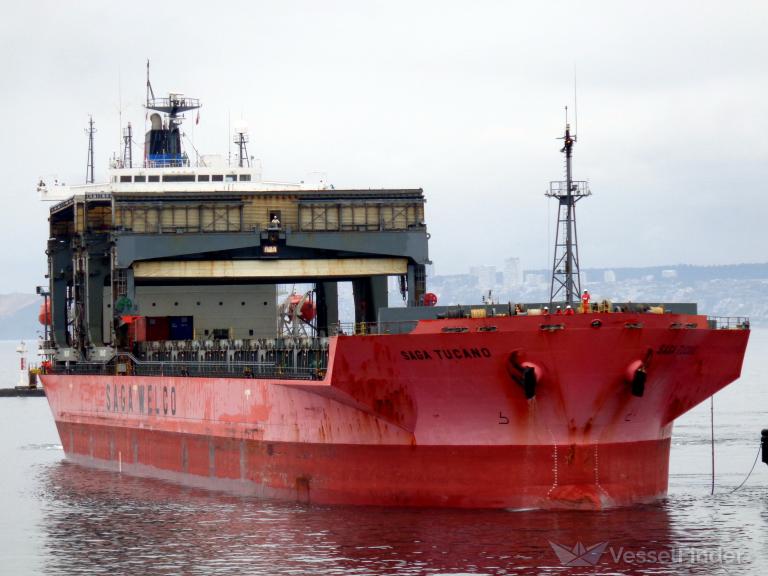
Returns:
<point x="58" y="518"/>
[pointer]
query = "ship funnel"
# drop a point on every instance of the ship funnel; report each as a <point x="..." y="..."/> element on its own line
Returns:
<point x="157" y="121"/>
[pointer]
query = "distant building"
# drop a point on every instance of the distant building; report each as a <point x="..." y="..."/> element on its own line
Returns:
<point x="535" y="280"/>
<point x="486" y="276"/>
<point x="513" y="273"/>
<point x="669" y="274"/>
<point x="609" y="276"/>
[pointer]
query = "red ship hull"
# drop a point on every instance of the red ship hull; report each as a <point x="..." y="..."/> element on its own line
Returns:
<point x="424" y="419"/>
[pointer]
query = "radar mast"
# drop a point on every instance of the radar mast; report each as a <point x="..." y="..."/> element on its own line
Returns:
<point x="90" y="131"/>
<point x="566" y="279"/>
<point x="162" y="146"/>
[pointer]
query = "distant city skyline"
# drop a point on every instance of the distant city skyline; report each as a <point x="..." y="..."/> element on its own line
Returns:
<point x="739" y="290"/>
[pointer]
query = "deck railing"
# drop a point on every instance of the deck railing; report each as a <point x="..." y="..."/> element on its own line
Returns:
<point x="128" y="365"/>
<point x="369" y="328"/>
<point x="290" y="359"/>
<point x="728" y="322"/>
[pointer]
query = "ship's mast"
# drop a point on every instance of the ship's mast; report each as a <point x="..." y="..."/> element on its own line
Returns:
<point x="150" y="92"/>
<point x="241" y="139"/>
<point x="128" y="147"/>
<point x="566" y="280"/>
<point x="162" y="146"/>
<point x="89" y="179"/>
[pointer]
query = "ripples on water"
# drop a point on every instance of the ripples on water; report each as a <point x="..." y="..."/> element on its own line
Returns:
<point x="59" y="518"/>
<point x="99" y="523"/>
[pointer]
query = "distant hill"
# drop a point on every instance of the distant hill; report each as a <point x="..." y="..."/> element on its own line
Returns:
<point x="18" y="316"/>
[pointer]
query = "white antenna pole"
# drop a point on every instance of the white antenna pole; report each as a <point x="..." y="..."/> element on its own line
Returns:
<point x="575" y="107"/>
<point x="120" y="108"/>
<point x="229" y="137"/>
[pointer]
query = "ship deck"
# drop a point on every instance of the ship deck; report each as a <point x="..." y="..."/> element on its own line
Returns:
<point x="307" y="358"/>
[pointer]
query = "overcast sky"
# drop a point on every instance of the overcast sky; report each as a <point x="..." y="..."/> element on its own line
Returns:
<point x="462" y="99"/>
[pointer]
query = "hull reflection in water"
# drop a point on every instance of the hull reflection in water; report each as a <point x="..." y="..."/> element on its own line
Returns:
<point x="95" y="521"/>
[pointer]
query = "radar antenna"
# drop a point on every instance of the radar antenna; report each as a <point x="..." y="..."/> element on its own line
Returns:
<point x="162" y="145"/>
<point x="566" y="279"/>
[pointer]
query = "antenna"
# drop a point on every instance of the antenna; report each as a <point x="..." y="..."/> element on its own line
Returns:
<point x="163" y="143"/>
<point x="119" y="98"/>
<point x="241" y="139"/>
<point x="128" y="147"/>
<point x="229" y="131"/>
<point x="575" y="107"/>
<point x="191" y="143"/>
<point x="150" y="92"/>
<point x="566" y="278"/>
<point x="89" y="168"/>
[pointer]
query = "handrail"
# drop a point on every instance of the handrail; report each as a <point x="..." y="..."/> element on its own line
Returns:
<point x="371" y="328"/>
<point x="728" y="322"/>
<point x="126" y="364"/>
